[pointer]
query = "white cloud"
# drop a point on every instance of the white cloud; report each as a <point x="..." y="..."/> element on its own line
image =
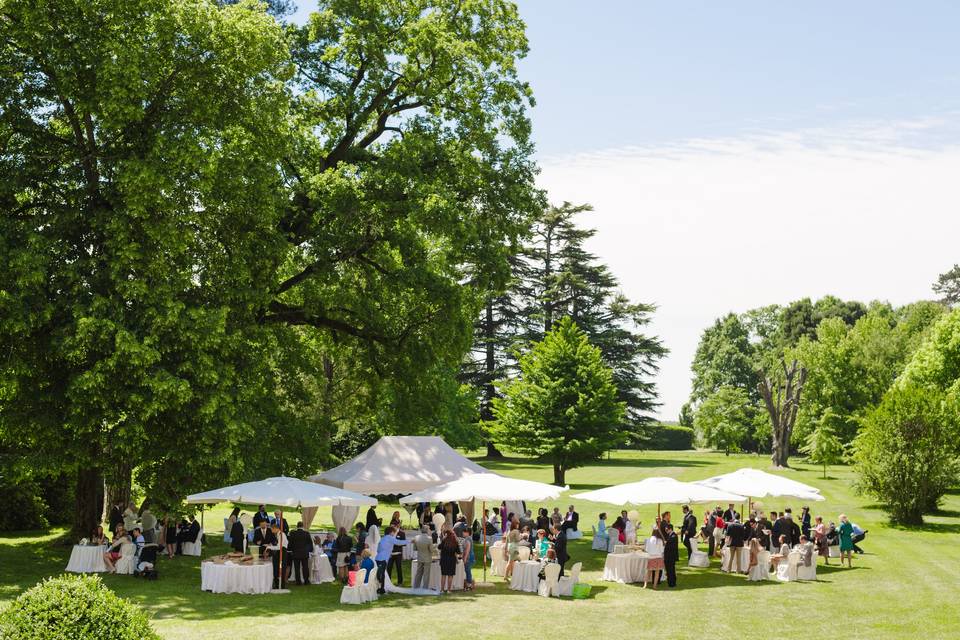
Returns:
<point x="707" y="226"/>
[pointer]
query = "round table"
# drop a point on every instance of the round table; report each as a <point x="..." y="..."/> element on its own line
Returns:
<point x="236" y="578"/>
<point x="526" y="576"/>
<point x="87" y="559"/>
<point x="458" y="578"/>
<point x="625" y="567"/>
<point x="320" y="569"/>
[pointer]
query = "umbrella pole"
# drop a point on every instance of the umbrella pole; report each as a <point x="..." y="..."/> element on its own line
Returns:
<point x="201" y="516"/>
<point x="483" y="527"/>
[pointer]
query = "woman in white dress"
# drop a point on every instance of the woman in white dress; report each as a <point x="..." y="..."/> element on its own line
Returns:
<point x="654" y="549"/>
<point x="630" y="531"/>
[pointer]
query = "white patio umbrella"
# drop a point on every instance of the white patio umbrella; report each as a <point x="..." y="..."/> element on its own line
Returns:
<point x="755" y="483"/>
<point x="283" y="492"/>
<point x="486" y="487"/>
<point x="659" y="491"/>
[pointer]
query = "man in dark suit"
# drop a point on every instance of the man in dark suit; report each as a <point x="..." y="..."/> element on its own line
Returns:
<point x="263" y="536"/>
<point x="300" y="547"/>
<point x="560" y="546"/>
<point x="261" y="514"/>
<point x="794" y="537"/>
<point x="671" y="553"/>
<point x="372" y="519"/>
<point x="188" y="533"/>
<point x="570" y="521"/>
<point x="688" y="529"/>
<point x="776" y="529"/>
<point x="277" y="520"/>
<point x="116" y="516"/>
<point x="730" y="514"/>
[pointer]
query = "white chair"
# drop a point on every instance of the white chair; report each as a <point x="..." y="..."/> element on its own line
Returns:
<point x="600" y="540"/>
<point x="551" y="576"/>
<point x="612" y="542"/>
<point x="699" y="559"/>
<point x="128" y="561"/>
<point x="193" y="548"/>
<point x="807" y="573"/>
<point x="787" y="570"/>
<point x="565" y="584"/>
<point x="524" y="553"/>
<point x="226" y="529"/>
<point x="574" y="534"/>
<point x="760" y="571"/>
<point x="833" y="551"/>
<point x="359" y="593"/>
<point x="498" y="565"/>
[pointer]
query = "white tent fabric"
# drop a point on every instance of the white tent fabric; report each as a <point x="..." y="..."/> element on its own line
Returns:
<point x="345" y="517"/>
<point x="659" y="491"/>
<point x="760" y="484"/>
<point x="283" y="492"/>
<point x="400" y="464"/>
<point x="488" y="487"/>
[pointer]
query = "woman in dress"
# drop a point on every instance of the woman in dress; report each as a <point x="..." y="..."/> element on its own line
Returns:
<point x="846" y="540"/>
<point x="170" y="535"/>
<point x="237" y="535"/>
<point x="449" y="549"/>
<point x="629" y="530"/>
<point x="112" y="554"/>
<point x="98" y="538"/>
<point x="466" y="552"/>
<point x="511" y="552"/>
<point x="782" y="554"/>
<point x="754" y="553"/>
<point x="654" y="548"/>
<point x="556" y="518"/>
<point x="619" y="526"/>
<point x="820" y="539"/>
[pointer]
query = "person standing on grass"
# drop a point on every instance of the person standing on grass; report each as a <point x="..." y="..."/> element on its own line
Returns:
<point x="466" y="552"/>
<point x="449" y="549"/>
<point x="560" y="546"/>
<point x="846" y="540"/>
<point x="654" y="548"/>
<point x="301" y="544"/>
<point x="384" y="550"/>
<point x="423" y="544"/>
<point x="736" y="534"/>
<point x="671" y="554"/>
<point x="688" y="529"/>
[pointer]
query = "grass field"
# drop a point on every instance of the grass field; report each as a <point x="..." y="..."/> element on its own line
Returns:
<point x="905" y="586"/>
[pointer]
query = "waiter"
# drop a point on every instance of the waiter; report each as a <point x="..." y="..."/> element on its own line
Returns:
<point x="280" y="546"/>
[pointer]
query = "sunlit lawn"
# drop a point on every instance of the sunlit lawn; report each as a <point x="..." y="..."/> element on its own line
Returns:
<point x="906" y="585"/>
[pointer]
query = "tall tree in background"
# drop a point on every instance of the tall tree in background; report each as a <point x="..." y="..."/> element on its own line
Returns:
<point x="722" y="419"/>
<point x="563" y="407"/>
<point x="781" y="397"/>
<point x="947" y="286"/>
<point x="189" y="204"/>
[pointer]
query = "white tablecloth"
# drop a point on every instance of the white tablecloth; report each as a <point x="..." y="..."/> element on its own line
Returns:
<point x="320" y="569"/>
<point x="84" y="559"/>
<point x="526" y="576"/>
<point x="625" y="567"/>
<point x="235" y="578"/>
<point x="744" y="559"/>
<point x="625" y="548"/>
<point x="435" y="575"/>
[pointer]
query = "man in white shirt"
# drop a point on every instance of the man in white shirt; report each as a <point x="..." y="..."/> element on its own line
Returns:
<point x="276" y="549"/>
<point x="384" y="550"/>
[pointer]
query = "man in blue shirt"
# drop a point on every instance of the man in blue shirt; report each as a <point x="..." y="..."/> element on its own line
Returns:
<point x="384" y="549"/>
<point x="858" y="536"/>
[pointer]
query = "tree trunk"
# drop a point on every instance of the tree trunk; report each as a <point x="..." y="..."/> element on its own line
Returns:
<point x="493" y="452"/>
<point x="88" y="510"/>
<point x="782" y="400"/>
<point x="118" y="485"/>
<point x="559" y="475"/>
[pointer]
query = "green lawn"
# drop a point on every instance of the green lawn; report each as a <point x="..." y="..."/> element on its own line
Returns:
<point x="905" y="585"/>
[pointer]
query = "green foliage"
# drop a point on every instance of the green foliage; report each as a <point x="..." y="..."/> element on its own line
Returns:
<point x="74" y="608"/>
<point x="668" y="437"/>
<point x="26" y="508"/>
<point x="220" y="232"/>
<point x="937" y="361"/>
<point x="722" y="419"/>
<point x="822" y="445"/>
<point x="947" y="286"/>
<point x="564" y="405"/>
<point x="906" y="453"/>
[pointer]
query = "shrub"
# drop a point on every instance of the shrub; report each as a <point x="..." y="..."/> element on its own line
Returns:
<point x="905" y="454"/>
<point x="74" y="608"/>
<point x="22" y="498"/>
<point x="666" y="437"/>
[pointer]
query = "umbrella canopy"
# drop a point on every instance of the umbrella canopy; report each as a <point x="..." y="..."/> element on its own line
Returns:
<point x="760" y="484"/>
<point x="283" y="492"/>
<point x="488" y="487"/>
<point x="659" y="491"/>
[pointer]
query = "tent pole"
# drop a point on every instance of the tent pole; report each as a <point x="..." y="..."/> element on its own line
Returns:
<point x="279" y="538"/>
<point x="483" y="527"/>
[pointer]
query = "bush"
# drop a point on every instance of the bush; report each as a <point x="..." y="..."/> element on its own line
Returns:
<point x="22" y="498"/>
<point x="75" y="608"/>
<point x="905" y="454"/>
<point x="666" y="437"/>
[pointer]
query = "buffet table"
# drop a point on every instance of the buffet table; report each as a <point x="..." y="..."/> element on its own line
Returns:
<point x="625" y="567"/>
<point x="236" y="578"/>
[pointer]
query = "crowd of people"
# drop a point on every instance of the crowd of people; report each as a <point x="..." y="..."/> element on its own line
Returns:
<point x="779" y="534"/>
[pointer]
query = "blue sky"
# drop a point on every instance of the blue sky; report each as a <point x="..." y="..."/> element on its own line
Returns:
<point x="741" y="154"/>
